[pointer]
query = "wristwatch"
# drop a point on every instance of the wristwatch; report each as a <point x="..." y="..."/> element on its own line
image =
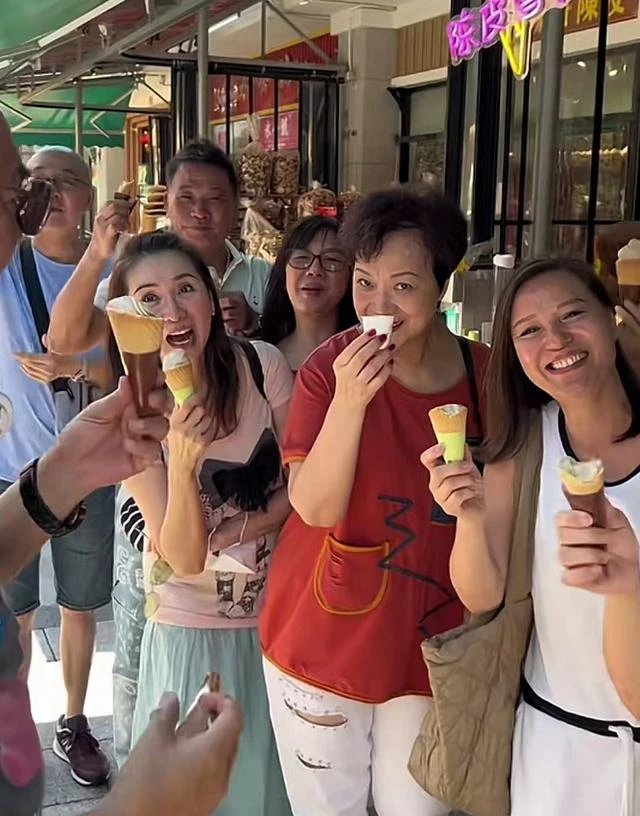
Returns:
<point x="38" y="510"/>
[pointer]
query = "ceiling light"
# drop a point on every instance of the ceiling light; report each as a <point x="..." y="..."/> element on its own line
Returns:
<point x="613" y="72"/>
<point x="221" y="23"/>
<point x="582" y="64"/>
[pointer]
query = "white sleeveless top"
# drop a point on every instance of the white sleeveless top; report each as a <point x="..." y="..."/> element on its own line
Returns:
<point x="561" y="770"/>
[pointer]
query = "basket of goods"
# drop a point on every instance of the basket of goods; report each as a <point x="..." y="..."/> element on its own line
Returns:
<point x="347" y="199"/>
<point x="254" y="165"/>
<point x="285" y="173"/>
<point x="272" y="210"/>
<point x="256" y="230"/>
<point x="318" y="201"/>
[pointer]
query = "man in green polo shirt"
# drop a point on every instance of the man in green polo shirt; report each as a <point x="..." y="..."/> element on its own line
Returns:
<point x="202" y="204"/>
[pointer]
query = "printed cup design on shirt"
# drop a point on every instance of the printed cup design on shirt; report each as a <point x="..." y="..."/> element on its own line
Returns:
<point x="583" y="485"/>
<point x="159" y="574"/>
<point x="450" y="427"/>
<point x="138" y="334"/>
<point x="178" y="373"/>
<point x="383" y="324"/>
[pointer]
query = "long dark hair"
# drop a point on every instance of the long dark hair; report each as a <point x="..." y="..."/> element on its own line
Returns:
<point x="278" y="317"/>
<point x="511" y="396"/>
<point x="220" y="360"/>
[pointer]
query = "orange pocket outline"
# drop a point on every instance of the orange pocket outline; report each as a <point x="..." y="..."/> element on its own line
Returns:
<point x="321" y="560"/>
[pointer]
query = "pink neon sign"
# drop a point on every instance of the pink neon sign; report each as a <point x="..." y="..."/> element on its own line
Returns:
<point x="474" y="29"/>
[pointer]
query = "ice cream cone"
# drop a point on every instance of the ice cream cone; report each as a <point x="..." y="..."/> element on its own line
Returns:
<point x="138" y="334"/>
<point x="179" y="376"/>
<point x="449" y="425"/>
<point x="628" y="271"/>
<point x="583" y="485"/>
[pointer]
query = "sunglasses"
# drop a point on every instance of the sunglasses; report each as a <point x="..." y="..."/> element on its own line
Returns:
<point x="33" y="203"/>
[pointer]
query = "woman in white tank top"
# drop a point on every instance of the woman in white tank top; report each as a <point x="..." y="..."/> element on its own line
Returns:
<point x="576" y="749"/>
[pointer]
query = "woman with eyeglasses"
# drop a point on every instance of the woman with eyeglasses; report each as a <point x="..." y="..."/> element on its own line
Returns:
<point x="308" y="298"/>
<point x="360" y="573"/>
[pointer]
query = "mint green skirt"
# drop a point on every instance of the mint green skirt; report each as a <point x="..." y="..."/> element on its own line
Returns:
<point x="177" y="659"/>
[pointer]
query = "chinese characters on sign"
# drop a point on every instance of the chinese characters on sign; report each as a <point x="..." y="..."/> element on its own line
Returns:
<point x="474" y="29"/>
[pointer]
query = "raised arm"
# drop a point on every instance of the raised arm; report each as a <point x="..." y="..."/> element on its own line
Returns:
<point x="320" y="486"/>
<point x="76" y="324"/>
<point x="483" y="508"/>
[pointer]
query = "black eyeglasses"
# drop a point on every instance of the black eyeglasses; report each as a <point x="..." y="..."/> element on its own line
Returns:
<point x="33" y="202"/>
<point x="330" y="260"/>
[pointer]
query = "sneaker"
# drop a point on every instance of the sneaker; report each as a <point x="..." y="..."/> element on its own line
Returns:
<point x="75" y="744"/>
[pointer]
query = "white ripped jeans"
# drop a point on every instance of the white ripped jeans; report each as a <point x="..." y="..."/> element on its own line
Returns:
<point x="335" y="753"/>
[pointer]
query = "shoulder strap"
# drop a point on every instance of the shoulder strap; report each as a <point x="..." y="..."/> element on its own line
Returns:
<point x="526" y="496"/>
<point x="34" y="289"/>
<point x="37" y="302"/>
<point x="256" y="367"/>
<point x="467" y="357"/>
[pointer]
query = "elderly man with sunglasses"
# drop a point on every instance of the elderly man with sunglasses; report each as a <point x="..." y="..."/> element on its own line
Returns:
<point x="174" y="769"/>
<point x="37" y="397"/>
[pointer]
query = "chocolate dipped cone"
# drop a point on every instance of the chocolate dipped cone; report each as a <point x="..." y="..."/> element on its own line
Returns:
<point x="583" y="485"/>
<point x="138" y="334"/>
<point x="179" y="376"/>
<point x="450" y="427"/>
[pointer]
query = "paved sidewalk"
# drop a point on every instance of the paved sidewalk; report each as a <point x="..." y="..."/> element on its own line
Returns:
<point x="63" y="796"/>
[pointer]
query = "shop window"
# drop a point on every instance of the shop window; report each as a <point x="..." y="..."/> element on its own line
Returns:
<point x="427" y="137"/>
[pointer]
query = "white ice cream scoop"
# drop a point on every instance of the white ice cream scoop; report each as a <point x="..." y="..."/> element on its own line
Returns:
<point x="383" y="324"/>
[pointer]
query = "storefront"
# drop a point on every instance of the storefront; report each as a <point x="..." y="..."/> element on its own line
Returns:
<point x="614" y="188"/>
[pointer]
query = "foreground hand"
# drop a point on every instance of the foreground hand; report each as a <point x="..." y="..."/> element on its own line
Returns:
<point x="603" y="560"/>
<point x="238" y="316"/>
<point x="361" y="370"/>
<point x="45" y="368"/>
<point x="109" y="224"/>
<point x="456" y="487"/>
<point x="185" y="772"/>
<point x="191" y="432"/>
<point x="108" y="443"/>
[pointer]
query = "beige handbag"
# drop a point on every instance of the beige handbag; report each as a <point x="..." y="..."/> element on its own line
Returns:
<point x="463" y="753"/>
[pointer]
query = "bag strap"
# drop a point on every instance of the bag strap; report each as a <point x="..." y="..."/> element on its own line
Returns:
<point x="526" y="496"/>
<point x="467" y="357"/>
<point x="255" y="365"/>
<point x="37" y="302"/>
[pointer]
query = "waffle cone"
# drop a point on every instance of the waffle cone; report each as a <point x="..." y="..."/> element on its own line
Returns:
<point x="180" y="382"/>
<point x="628" y="272"/>
<point x="136" y="334"/>
<point x="445" y="421"/>
<point x="581" y="478"/>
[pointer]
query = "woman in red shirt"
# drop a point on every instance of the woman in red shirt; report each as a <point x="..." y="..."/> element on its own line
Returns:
<point x="360" y="574"/>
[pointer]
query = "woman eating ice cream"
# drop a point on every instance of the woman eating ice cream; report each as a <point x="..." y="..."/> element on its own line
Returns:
<point x="360" y="572"/>
<point x="212" y="507"/>
<point x="576" y="744"/>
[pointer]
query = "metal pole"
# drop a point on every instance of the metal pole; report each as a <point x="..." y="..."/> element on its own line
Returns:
<point x="79" y="118"/>
<point x="203" y="72"/>
<point x="547" y="138"/>
<point x="263" y="28"/>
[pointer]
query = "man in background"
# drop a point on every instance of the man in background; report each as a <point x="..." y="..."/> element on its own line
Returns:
<point x="82" y="560"/>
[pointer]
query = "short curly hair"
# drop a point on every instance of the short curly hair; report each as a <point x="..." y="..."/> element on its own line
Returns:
<point x="438" y="220"/>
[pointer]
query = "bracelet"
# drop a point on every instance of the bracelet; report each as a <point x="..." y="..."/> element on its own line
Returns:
<point x="38" y="510"/>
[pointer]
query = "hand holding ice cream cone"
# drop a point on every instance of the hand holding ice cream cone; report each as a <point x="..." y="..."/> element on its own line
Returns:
<point x="138" y="334"/>
<point x="178" y="373"/>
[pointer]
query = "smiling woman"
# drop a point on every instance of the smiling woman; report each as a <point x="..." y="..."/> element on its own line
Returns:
<point x="217" y="496"/>
<point x="555" y="352"/>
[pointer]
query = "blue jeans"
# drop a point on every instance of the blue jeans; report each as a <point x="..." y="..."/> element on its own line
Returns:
<point x="129" y="620"/>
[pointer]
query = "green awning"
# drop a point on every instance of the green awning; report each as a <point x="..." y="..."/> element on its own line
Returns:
<point x="26" y="21"/>
<point x="38" y="127"/>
